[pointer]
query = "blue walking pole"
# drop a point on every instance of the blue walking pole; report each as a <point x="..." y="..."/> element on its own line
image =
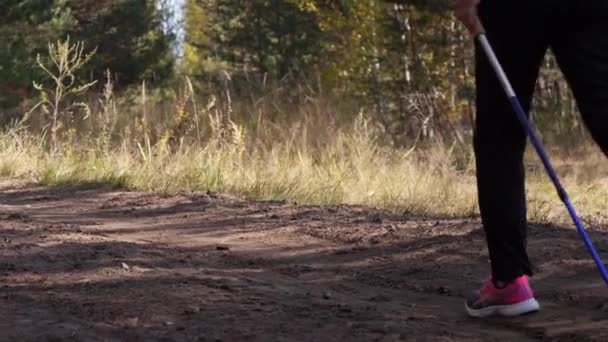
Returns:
<point x="483" y="42"/>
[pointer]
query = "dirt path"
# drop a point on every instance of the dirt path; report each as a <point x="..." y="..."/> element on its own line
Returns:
<point x="93" y="265"/>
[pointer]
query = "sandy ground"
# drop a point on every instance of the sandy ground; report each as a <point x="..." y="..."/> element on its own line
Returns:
<point x="88" y="264"/>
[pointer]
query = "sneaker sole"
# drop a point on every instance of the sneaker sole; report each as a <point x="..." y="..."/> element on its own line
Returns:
<point x="528" y="306"/>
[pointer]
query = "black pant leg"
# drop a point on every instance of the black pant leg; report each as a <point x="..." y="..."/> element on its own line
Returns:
<point x="499" y="139"/>
<point x="581" y="49"/>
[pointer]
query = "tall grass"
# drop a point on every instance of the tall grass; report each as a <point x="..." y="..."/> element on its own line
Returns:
<point x="237" y="146"/>
<point x="352" y="168"/>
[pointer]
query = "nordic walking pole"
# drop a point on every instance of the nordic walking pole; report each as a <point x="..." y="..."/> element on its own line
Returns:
<point x="483" y="42"/>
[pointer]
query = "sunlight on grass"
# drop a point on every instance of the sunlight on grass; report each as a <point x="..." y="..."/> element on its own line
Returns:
<point x="238" y="148"/>
<point x="352" y="169"/>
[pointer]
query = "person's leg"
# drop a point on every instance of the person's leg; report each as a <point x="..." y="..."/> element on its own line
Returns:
<point x="581" y="49"/>
<point x="516" y="29"/>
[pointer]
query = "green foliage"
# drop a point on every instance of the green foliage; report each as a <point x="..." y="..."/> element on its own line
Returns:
<point x="25" y="29"/>
<point x="407" y="63"/>
<point x="270" y="38"/>
<point x="380" y="53"/>
<point x="129" y="38"/>
<point x="128" y="34"/>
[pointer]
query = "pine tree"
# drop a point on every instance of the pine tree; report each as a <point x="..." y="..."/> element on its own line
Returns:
<point x="128" y="35"/>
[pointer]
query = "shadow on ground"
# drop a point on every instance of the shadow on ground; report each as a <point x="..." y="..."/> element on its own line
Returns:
<point x="99" y="265"/>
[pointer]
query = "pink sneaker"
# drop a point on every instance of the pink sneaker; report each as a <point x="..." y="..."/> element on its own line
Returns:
<point x="515" y="299"/>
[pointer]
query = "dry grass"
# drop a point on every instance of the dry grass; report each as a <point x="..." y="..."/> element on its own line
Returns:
<point x="583" y="171"/>
<point x="352" y="167"/>
<point x="314" y="157"/>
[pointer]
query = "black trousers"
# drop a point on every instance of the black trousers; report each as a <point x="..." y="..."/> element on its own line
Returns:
<point x="521" y="31"/>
